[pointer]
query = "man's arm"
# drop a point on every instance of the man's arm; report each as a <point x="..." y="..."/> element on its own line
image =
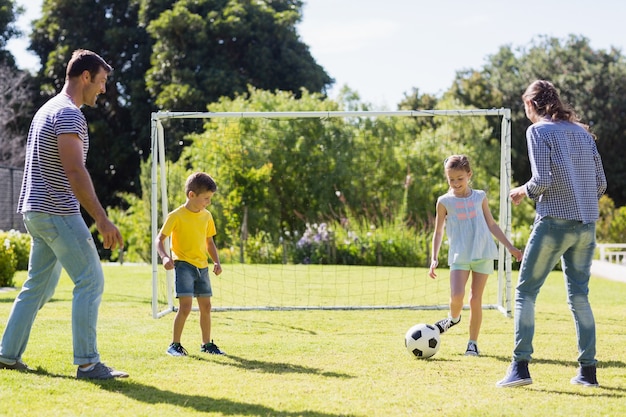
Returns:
<point x="71" y="155"/>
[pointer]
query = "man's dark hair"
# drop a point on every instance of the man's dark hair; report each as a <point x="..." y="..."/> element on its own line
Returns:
<point x="84" y="60"/>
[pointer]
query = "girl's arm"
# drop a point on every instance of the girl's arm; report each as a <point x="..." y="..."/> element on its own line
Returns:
<point x="498" y="233"/>
<point x="440" y="221"/>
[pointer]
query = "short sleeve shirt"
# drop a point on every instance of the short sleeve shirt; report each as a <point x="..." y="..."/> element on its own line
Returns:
<point x="189" y="231"/>
<point x="45" y="187"/>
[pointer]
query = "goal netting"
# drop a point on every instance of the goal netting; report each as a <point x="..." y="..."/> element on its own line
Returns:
<point x="329" y="210"/>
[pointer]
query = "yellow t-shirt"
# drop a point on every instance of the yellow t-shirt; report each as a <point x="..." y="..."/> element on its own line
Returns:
<point x="189" y="232"/>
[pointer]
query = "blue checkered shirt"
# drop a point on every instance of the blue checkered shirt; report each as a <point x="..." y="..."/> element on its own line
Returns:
<point x="567" y="174"/>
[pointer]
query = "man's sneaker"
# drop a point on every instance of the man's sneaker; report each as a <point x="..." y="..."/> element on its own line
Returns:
<point x="100" y="371"/>
<point x="444" y="324"/>
<point x="18" y="366"/>
<point x="586" y="376"/>
<point x="176" y="349"/>
<point x="211" y="348"/>
<point x="518" y="375"/>
<point x="472" y="349"/>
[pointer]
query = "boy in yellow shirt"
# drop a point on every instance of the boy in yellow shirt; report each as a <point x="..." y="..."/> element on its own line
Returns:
<point x="192" y="229"/>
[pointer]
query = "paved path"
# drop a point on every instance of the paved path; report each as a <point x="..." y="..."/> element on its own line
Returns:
<point x="615" y="272"/>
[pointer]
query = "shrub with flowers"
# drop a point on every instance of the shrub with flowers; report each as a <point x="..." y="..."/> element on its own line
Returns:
<point x="340" y="243"/>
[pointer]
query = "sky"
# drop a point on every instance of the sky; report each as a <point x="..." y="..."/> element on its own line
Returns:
<point x="383" y="49"/>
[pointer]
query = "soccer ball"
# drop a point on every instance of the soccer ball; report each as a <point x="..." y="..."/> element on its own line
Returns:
<point x="422" y="341"/>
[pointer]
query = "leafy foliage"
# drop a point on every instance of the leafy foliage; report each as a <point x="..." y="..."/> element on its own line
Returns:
<point x="276" y="176"/>
<point x="20" y="246"/>
<point x="8" y="261"/>
<point x="202" y="50"/>
<point x="592" y="81"/>
<point x="15" y="113"/>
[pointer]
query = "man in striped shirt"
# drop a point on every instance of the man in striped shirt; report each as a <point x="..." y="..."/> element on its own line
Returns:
<point x="56" y="184"/>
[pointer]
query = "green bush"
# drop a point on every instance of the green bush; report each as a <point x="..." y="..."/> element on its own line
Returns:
<point x="339" y="243"/>
<point x="261" y="250"/>
<point x="20" y="243"/>
<point x="8" y="263"/>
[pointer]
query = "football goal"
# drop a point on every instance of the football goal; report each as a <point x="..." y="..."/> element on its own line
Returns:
<point x="329" y="209"/>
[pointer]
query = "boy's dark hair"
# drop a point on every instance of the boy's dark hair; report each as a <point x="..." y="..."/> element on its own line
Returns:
<point x="200" y="182"/>
<point x="84" y="60"/>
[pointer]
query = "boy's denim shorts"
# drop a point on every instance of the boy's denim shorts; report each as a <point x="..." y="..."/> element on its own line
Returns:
<point x="192" y="281"/>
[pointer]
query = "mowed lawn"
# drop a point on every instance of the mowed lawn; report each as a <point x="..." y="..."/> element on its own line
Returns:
<point x="311" y="363"/>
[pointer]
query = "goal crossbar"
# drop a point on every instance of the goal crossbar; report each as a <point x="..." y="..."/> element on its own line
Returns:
<point x="504" y="299"/>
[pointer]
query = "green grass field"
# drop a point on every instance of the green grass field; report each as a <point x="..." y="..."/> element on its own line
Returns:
<point x="313" y="363"/>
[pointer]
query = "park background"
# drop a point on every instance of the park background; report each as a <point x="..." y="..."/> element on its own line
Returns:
<point x="318" y="55"/>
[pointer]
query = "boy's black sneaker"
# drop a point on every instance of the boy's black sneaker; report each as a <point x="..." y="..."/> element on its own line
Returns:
<point x="211" y="348"/>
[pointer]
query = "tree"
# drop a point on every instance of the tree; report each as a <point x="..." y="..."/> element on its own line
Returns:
<point x="593" y="82"/>
<point x="118" y="127"/>
<point x="9" y="12"/>
<point x="116" y="29"/>
<point x="15" y="111"/>
<point x="208" y="49"/>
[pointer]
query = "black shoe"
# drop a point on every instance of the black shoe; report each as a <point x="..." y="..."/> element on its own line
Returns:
<point x="211" y="348"/>
<point x="18" y="366"/>
<point x="586" y="376"/>
<point x="176" y="349"/>
<point x="472" y="349"/>
<point x="444" y="324"/>
<point x="518" y="375"/>
<point x="100" y="371"/>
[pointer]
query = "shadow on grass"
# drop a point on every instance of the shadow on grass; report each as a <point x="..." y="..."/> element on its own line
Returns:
<point x="574" y="364"/>
<point x="270" y="367"/>
<point x="151" y="395"/>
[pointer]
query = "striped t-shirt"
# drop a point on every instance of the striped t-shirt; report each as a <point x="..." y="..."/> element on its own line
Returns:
<point x="45" y="187"/>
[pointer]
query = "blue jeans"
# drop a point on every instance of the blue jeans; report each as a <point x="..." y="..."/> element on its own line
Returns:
<point x="57" y="241"/>
<point x="573" y="242"/>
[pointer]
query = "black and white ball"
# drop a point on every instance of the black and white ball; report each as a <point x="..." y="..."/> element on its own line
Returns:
<point x="422" y="340"/>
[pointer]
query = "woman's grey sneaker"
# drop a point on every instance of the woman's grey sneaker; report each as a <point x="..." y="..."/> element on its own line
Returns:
<point x="472" y="349"/>
<point x="517" y="376"/>
<point x="100" y="371"/>
<point x="444" y="324"/>
<point x="211" y="348"/>
<point x="176" y="349"/>
<point x="17" y="366"/>
<point x="586" y="377"/>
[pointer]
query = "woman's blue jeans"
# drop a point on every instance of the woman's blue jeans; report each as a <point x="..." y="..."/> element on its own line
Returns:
<point x="573" y="243"/>
<point x="57" y="242"/>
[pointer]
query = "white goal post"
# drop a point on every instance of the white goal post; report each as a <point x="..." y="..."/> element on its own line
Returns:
<point x="159" y="186"/>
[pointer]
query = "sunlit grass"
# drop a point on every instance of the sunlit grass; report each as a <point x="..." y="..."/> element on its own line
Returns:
<point x="310" y="363"/>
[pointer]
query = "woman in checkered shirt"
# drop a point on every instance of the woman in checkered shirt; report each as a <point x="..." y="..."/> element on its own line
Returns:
<point x="566" y="184"/>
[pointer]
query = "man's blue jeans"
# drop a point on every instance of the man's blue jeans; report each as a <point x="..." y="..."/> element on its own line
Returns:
<point x="57" y="242"/>
<point x="573" y="243"/>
